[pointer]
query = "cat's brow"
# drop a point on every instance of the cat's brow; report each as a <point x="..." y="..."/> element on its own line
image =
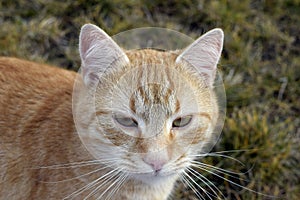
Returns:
<point x="154" y="94"/>
<point x="101" y="112"/>
<point x="206" y="115"/>
<point x="156" y="79"/>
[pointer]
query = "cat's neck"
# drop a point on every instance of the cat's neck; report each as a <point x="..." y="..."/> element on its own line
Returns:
<point x="154" y="188"/>
<point x="158" y="190"/>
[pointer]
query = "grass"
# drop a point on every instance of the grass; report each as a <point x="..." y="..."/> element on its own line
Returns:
<point x="260" y="67"/>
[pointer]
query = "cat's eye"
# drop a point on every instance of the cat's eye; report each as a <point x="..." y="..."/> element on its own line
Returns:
<point x="126" y="121"/>
<point x="181" y="121"/>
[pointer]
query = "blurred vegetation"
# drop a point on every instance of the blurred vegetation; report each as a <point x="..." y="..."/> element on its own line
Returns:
<point x="260" y="67"/>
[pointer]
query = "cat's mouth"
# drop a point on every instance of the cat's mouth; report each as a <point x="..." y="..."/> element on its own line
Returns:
<point x="153" y="178"/>
<point x="154" y="174"/>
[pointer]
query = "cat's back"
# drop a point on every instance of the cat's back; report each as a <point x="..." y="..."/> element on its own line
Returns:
<point x="32" y="95"/>
<point x="20" y="78"/>
<point x="36" y="124"/>
<point x="30" y="91"/>
<point x="26" y="87"/>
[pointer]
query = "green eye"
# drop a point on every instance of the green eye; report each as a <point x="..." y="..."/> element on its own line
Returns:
<point x="181" y="121"/>
<point x="126" y="121"/>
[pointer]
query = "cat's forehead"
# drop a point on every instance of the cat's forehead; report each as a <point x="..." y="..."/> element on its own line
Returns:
<point x="154" y="85"/>
<point x="155" y="92"/>
<point x="152" y="56"/>
<point x="157" y="68"/>
<point x="151" y="99"/>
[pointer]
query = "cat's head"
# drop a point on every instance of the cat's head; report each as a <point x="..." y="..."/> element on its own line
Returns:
<point x="153" y="111"/>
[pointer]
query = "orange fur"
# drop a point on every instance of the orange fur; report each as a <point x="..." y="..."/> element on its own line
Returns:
<point x="37" y="130"/>
<point x="32" y="96"/>
<point x="43" y="155"/>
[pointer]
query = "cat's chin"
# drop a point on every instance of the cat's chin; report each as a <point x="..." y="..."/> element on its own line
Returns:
<point x="154" y="177"/>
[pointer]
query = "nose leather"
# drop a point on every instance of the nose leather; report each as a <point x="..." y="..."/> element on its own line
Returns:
<point x="156" y="163"/>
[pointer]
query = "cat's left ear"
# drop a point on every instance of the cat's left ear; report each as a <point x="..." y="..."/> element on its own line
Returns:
<point x="204" y="54"/>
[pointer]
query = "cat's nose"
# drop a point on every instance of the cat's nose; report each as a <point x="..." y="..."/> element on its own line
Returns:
<point x="156" y="164"/>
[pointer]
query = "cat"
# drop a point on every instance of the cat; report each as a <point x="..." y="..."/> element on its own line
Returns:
<point x="143" y="117"/>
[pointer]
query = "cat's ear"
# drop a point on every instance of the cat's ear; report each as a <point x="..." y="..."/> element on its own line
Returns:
<point x="97" y="51"/>
<point x="204" y="54"/>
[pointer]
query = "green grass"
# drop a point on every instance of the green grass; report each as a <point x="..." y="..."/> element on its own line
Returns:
<point x="260" y="67"/>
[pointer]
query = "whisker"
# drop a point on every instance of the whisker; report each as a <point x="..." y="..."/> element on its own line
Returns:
<point x="195" y="163"/>
<point x="207" y="193"/>
<point x="75" y="164"/>
<point x="118" y="186"/>
<point x="80" y="176"/>
<point x="236" y="184"/>
<point x="88" y="186"/>
<point x="223" y="171"/>
<point x="219" y="155"/>
<point x="198" y="166"/>
<point x="104" y="183"/>
<point x="111" y="185"/>
<point x="186" y="181"/>
<point x="235" y="151"/>
<point x="201" y="178"/>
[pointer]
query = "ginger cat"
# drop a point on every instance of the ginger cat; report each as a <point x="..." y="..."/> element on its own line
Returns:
<point x="153" y="111"/>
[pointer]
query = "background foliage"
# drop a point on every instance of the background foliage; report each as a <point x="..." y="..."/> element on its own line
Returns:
<point x="260" y="67"/>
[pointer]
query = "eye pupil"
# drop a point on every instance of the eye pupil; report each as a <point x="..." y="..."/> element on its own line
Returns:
<point x="181" y="121"/>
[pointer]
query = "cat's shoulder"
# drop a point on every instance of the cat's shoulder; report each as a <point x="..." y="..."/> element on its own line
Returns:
<point x="22" y="79"/>
<point x="20" y="70"/>
<point x="16" y="65"/>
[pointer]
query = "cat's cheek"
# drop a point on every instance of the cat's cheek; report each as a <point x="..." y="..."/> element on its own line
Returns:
<point x="129" y="131"/>
<point x="181" y="141"/>
<point x="193" y="136"/>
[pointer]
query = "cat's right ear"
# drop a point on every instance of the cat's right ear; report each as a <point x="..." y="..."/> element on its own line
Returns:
<point x="97" y="52"/>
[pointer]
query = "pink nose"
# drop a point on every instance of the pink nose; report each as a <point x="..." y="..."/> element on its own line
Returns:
<point x="156" y="164"/>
